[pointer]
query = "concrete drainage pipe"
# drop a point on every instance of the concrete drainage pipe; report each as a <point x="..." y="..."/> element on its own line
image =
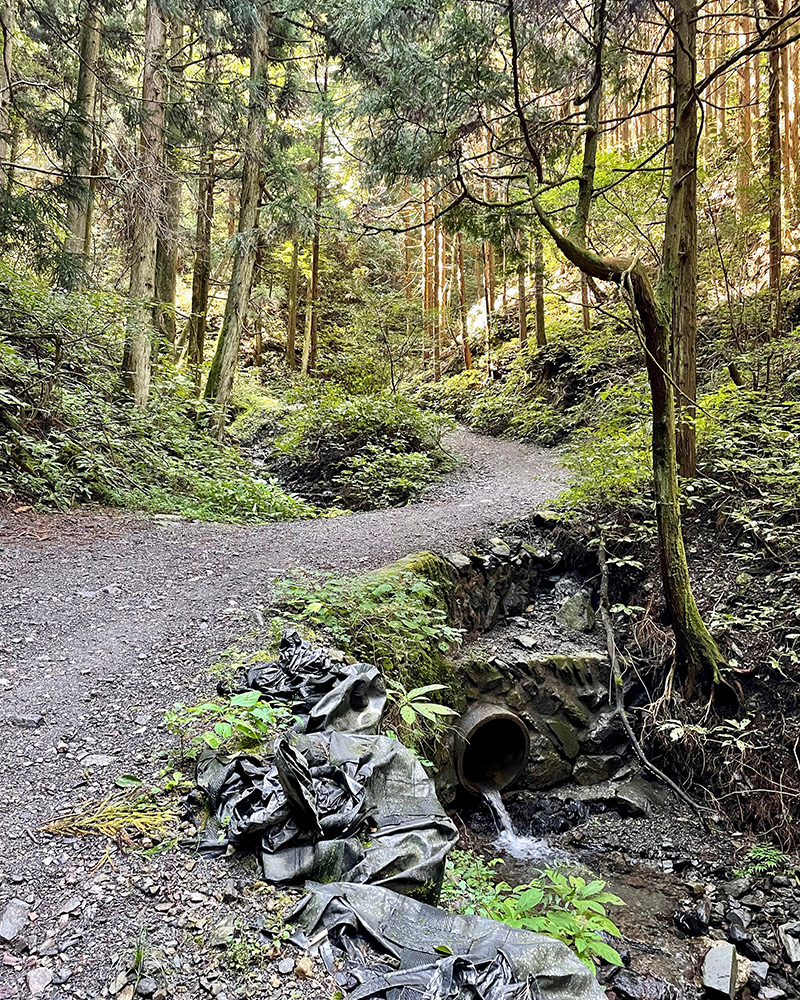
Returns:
<point x="492" y="749"/>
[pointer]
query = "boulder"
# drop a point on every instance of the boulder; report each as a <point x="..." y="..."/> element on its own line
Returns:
<point x="592" y="770"/>
<point x="576" y="612"/>
<point x="720" y="970"/>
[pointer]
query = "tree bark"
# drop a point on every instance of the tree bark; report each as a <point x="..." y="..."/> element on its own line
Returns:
<point x="438" y="283"/>
<point x="79" y="166"/>
<point x="136" y="363"/>
<point x="462" y="304"/>
<point x="774" y="180"/>
<point x="7" y="26"/>
<point x="167" y="248"/>
<point x="538" y="289"/>
<point x="319" y="185"/>
<point x="290" y="353"/>
<point x="522" y="301"/>
<point x="679" y="275"/>
<point x="223" y="366"/>
<point x="201" y="272"/>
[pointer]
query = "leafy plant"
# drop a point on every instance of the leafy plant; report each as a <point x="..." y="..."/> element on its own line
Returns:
<point x="393" y="618"/>
<point x="364" y="451"/>
<point x="413" y="713"/>
<point x="557" y="903"/>
<point x="765" y="859"/>
<point x="245" y="721"/>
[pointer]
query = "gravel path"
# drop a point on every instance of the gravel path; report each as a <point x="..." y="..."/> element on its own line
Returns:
<point x="105" y="620"/>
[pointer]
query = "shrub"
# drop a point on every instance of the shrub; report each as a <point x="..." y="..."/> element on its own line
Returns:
<point x="392" y="618"/>
<point x="370" y="451"/>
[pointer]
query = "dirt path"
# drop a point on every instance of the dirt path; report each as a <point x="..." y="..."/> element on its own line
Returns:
<point x="105" y="620"/>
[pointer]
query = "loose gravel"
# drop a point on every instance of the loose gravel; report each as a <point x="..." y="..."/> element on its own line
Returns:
<point x="108" y="618"/>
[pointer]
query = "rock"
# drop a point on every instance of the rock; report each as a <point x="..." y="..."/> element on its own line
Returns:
<point x="146" y="987"/>
<point x="736" y="888"/>
<point x="737" y="934"/>
<point x="630" y="985"/>
<point x="566" y="736"/>
<point x="72" y="905"/>
<point x="789" y="935"/>
<point x="760" y="970"/>
<point x="720" y="970"/>
<point x="755" y="900"/>
<point x="500" y="549"/>
<point x="38" y="980"/>
<point x="526" y="641"/>
<point x="458" y="560"/>
<point x="97" y="760"/>
<point x="126" y="993"/>
<point x="222" y="931"/>
<point x="770" y="993"/>
<point x="636" y="797"/>
<point x="285" y="966"/>
<point x="304" y="968"/>
<point x="118" y="983"/>
<point x="576" y="613"/>
<point x="591" y="770"/>
<point x="694" y="923"/>
<point x="25" y="721"/>
<point x="13" y="920"/>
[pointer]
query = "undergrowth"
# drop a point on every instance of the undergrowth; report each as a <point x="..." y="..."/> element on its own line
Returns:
<point x="70" y="436"/>
<point x="391" y="617"/>
<point x="558" y="902"/>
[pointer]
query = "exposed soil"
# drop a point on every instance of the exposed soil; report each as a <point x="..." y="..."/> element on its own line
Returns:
<point x="106" y="619"/>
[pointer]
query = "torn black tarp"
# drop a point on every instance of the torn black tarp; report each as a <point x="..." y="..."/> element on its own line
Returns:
<point x="330" y="806"/>
<point x="399" y="949"/>
<point x="331" y="694"/>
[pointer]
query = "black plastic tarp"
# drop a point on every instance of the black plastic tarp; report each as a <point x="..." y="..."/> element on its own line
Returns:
<point x="327" y="693"/>
<point x="331" y="806"/>
<point x="398" y="949"/>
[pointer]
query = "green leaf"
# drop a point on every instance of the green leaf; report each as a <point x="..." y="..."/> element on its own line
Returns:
<point x="247" y="699"/>
<point x="427" y="689"/>
<point x="606" y="952"/>
<point x="408" y="715"/>
<point x="127" y="780"/>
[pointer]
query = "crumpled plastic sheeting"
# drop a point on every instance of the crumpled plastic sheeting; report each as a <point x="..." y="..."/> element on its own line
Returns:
<point x="333" y="805"/>
<point x="350" y="697"/>
<point x="374" y="928"/>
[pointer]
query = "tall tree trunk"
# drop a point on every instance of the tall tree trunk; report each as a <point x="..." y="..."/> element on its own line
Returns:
<point x="427" y="269"/>
<point x="585" y="314"/>
<point x="319" y="186"/>
<point x="697" y="654"/>
<point x="438" y="284"/>
<point x="538" y="288"/>
<point x="223" y="366"/>
<point x="7" y="27"/>
<point x="680" y="233"/>
<point x="201" y="272"/>
<point x="136" y="363"/>
<point x="462" y="304"/>
<point x="167" y="248"/>
<point x="79" y="166"/>
<point x="774" y="181"/>
<point x="745" y="153"/>
<point x="290" y="353"/>
<point x="522" y="298"/>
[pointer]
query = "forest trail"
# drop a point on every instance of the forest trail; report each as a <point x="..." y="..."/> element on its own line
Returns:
<point x="107" y="619"/>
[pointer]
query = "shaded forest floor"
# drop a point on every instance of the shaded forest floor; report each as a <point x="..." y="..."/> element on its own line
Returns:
<point x="107" y="619"/>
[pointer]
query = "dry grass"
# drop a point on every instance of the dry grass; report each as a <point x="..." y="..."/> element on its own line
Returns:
<point x="121" y="816"/>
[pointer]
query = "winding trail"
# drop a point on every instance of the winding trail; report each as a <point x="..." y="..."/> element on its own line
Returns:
<point x="106" y="619"/>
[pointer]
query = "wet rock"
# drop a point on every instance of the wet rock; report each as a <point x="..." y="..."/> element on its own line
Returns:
<point x="694" y="923"/>
<point x="576" y="612"/>
<point x="737" y="934"/>
<point x="630" y="985"/>
<point x="13" y="920"/>
<point x="545" y="767"/>
<point x="789" y="935"/>
<point x="637" y="797"/>
<point x="566" y="735"/>
<point x="720" y="970"/>
<point x="38" y="980"/>
<point x="592" y="770"/>
<point x="736" y="888"/>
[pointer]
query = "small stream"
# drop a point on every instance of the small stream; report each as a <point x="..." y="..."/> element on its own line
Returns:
<point x="512" y="843"/>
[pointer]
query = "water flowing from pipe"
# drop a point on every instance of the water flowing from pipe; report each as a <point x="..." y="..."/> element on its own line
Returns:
<point x="523" y="848"/>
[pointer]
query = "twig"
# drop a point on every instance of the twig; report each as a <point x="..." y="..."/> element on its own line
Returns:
<point x="616" y="677"/>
